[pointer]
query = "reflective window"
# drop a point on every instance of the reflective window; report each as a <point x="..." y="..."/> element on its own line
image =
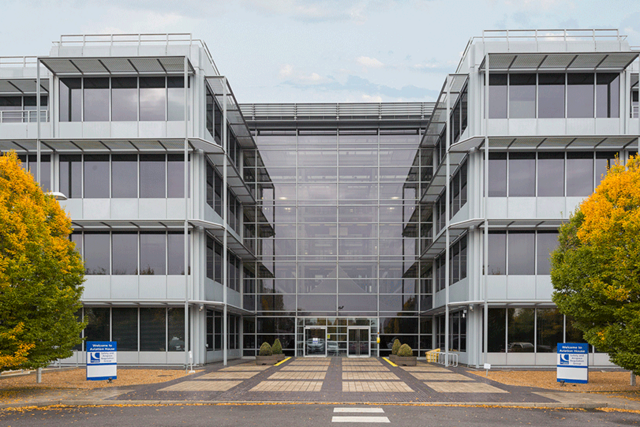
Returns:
<point x="70" y="100"/>
<point x="124" y="253"/>
<point x="497" y="253"/>
<point x="152" y="176"/>
<point x="124" y="176"/>
<point x="497" y="96"/>
<point x="551" y="96"/>
<point x="98" y="324"/>
<point x="175" y="175"/>
<point x="124" y="99"/>
<point x="125" y="328"/>
<point x="604" y="160"/>
<point x="549" y="330"/>
<point x="579" y="174"/>
<point x="176" y="329"/>
<point x="152" y="99"/>
<point x="175" y="248"/>
<point x="96" y="99"/>
<point x="175" y="98"/>
<point x="522" y="95"/>
<point x="153" y="329"/>
<point x="497" y="174"/>
<point x="547" y="242"/>
<point x="521" y="253"/>
<point x="607" y="95"/>
<point x="497" y="330"/>
<point x="96" y="176"/>
<point x="520" y="330"/>
<point x="153" y="253"/>
<point x="550" y="174"/>
<point x="580" y="95"/>
<point x="97" y="250"/>
<point x="522" y="174"/>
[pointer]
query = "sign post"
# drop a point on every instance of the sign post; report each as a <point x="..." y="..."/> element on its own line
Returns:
<point x="102" y="361"/>
<point x="573" y="363"/>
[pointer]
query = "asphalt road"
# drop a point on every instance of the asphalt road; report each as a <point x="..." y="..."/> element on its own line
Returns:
<point x="309" y="415"/>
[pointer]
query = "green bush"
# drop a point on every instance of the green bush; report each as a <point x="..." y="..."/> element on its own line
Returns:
<point x="396" y="347"/>
<point x="265" y="349"/>
<point x="276" y="348"/>
<point x="405" y="351"/>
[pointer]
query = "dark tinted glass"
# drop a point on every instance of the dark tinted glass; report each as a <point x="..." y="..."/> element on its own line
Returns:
<point x="124" y="99"/>
<point x="70" y="100"/>
<point x="522" y="95"/>
<point x="579" y="174"/>
<point x="153" y="253"/>
<point x="125" y="253"/>
<point x="521" y="330"/>
<point x="551" y="96"/>
<point x="71" y="176"/>
<point x="497" y="175"/>
<point x="125" y="328"/>
<point x="497" y="96"/>
<point x="549" y="328"/>
<point x="124" y="176"/>
<point x="153" y="336"/>
<point x="152" y="176"/>
<point x="176" y="329"/>
<point x="497" y="253"/>
<point x="497" y="330"/>
<point x="521" y="253"/>
<point x="607" y="95"/>
<point x="96" y="176"/>
<point x="96" y="99"/>
<point x="96" y="253"/>
<point x="604" y="160"/>
<point x="175" y="248"/>
<point x="550" y="174"/>
<point x="580" y="95"/>
<point x="98" y="325"/>
<point x="547" y="242"/>
<point x="522" y="174"/>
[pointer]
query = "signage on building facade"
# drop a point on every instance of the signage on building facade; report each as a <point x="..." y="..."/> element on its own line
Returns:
<point x="102" y="360"/>
<point x="573" y="363"/>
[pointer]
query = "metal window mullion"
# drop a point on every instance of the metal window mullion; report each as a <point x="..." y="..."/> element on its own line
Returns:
<point x="225" y="210"/>
<point x="447" y="224"/>
<point x="39" y="144"/>
<point x="486" y="219"/>
<point x="186" y="219"/>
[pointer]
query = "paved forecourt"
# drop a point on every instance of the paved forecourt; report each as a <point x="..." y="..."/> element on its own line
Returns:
<point x="334" y="379"/>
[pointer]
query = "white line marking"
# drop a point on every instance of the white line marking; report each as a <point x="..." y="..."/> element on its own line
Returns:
<point x="360" y="410"/>
<point x="369" y="420"/>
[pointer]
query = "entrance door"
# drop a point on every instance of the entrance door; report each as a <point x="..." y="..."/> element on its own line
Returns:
<point x="315" y="341"/>
<point x="358" y="342"/>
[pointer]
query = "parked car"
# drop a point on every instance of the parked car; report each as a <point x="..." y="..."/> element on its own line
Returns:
<point x="332" y="348"/>
<point x="520" y="347"/>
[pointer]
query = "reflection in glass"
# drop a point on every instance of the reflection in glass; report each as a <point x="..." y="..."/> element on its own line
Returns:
<point x="175" y="98"/>
<point x="579" y="95"/>
<point x="521" y="253"/>
<point x="547" y="243"/>
<point x="96" y="253"/>
<point x="497" y="253"/>
<point x="153" y="253"/>
<point x="522" y="174"/>
<point x="124" y="176"/>
<point x="71" y="175"/>
<point x="152" y="176"/>
<point x="551" y="95"/>
<point x="153" y="335"/>
<point x="497" y="174"/>
<point x="550" y="174"/>
<point x="96" y="99"/>
<point x="152" y="99"/>
<point x="70" y="100"/>
<point x="607" y="95"/>
<point x="124" y="99"/>
<point x="497" y="330"/>
<point x="176" y="328"/>
<point x="579" y="174"/>
<point x="522" y="95"/>
<point x="125" y="328"/>
<point x="549" y="327"/>
<point x="521" y="330"/>
<point x="96" y="176"/>
<point x="497" y="96"/>
<point x="125" y="253"/>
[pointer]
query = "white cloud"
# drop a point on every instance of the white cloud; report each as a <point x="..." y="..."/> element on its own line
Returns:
<point x="286" y="70"/>
<point x="371" y="98"/>
<point x="367" y="62"/>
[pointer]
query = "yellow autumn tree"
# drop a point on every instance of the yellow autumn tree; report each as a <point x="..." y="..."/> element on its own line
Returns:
<point x="41" y="273"/>
<point x="596" y="267"/>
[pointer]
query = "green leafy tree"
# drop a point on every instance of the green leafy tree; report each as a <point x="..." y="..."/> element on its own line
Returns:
<point x="596" y="267"/>
<point x="41" y="273"/>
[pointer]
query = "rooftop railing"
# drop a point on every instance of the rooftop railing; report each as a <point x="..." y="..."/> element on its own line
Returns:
<point x="18" y="61"/>
<point x="327" y="111"/>
<point x="23" y="116"/>
<point x="158" y="39"/>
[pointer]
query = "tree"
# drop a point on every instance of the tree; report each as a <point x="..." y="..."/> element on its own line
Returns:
<point x="41" y="273"/>
<point x="596" y="267"/>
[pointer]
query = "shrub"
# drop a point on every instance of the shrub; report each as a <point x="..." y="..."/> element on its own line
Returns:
<point x="265" y="349"/>
<point x="405" y="351"/>
<point x="396" y="347"/>
<point x="276" y="348"/>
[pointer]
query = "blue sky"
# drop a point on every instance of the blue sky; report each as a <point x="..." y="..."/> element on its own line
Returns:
<point x="315" y="50"/>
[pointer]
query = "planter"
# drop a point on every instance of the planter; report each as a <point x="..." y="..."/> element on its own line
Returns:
<point x="280" y="357"/>
<point x="406" y="361"/>
<point x="266" y="360"/>
<point x="394" y="358"/>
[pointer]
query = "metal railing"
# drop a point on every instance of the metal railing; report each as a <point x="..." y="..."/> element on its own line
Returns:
<point x="366" y="111"/>
<point x="18" y="61"/>
<point x="451" y="358"/>
<point x="23" y="116"/>
<point x="139" y="39"/>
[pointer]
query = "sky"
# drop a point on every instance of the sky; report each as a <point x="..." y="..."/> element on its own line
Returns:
<point x="315" y="50"/>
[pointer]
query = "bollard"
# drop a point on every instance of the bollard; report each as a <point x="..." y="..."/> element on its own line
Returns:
<point x="633" y="379"/>
<point x="39" y="375"/>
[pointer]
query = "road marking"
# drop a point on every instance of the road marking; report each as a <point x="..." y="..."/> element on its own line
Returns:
<point x="369" y="420"/>
<point x="282" y="361"/>
<point x="390" y="362"/>
<point x="360" y="410"/>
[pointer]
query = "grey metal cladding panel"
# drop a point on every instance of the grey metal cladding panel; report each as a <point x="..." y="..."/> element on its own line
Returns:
<point x="500" y="142"/>
<point x="60" y="66"/>
<point x="147" y="65"/>
<point x="587" y="61"/>
<point x="118" y="65"/>
<point x="586" y="142"/>
<point x="555" y="142"/>
<point x="173" y="64"/>
<point x="91" y="145"/>
<point x="618" y="60"/>
<point x="148" y="145"/>
<point x="501" y="61"/>
<point x="556" y="61"/>
<point x="527" y="61"/>
<point x="615" y="142"/>
<point x="26" y="86"/>
<point x="8" y="146"/>
<point x="525" y="142"/>
<point x="65" y="146"/>
<point x="90" y="66"/>
<point x="6" y="87"/>
<point x="119" y="145"/>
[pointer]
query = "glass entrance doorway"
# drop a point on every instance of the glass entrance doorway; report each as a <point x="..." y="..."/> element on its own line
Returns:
<point x="315" y="341"/>
<point x="358" y="342"/>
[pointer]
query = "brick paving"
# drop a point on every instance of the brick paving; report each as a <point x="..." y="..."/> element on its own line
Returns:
<point x="332" y="379"/>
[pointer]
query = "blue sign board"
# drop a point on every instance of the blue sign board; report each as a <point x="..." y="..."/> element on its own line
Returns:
<point x="102" y="360"/>
<point x="573" y="363"/>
